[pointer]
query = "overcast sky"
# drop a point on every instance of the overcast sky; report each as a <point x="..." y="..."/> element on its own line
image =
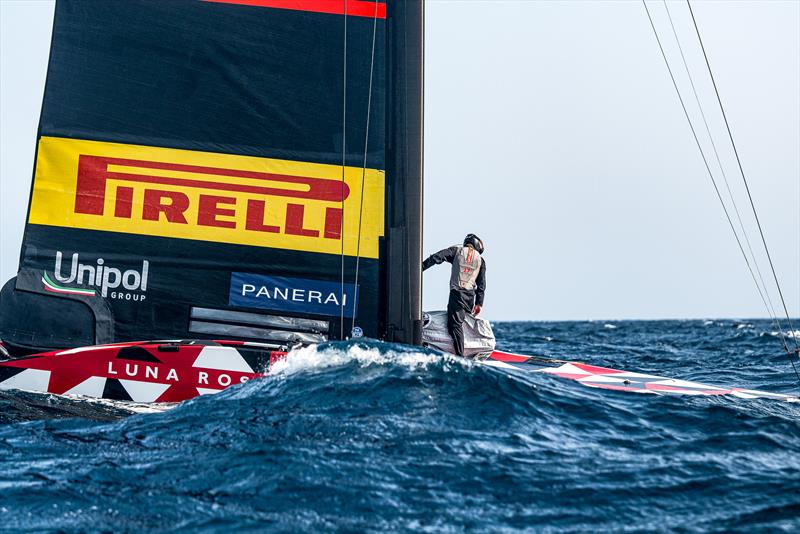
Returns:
<point x="553" y="132"/>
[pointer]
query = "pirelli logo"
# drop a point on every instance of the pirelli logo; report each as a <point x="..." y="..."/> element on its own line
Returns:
<point x="205" y="196"/>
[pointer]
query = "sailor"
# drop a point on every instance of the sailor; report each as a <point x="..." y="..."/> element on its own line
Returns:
<point x="467" y="284"/>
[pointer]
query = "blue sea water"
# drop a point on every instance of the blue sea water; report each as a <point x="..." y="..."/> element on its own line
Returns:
<point x="376" y="438"/>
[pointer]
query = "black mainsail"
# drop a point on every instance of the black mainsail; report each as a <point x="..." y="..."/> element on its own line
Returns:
<point x="223" y="169"/>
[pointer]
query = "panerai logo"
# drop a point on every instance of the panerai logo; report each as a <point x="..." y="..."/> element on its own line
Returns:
<point x="296" y="295"/>
<point x="87" y="279"/>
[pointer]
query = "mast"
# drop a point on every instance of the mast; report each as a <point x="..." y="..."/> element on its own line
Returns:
<point x="405" y="73"/>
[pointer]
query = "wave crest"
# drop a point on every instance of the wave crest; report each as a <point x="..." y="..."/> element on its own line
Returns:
<point x="363" y="354"/>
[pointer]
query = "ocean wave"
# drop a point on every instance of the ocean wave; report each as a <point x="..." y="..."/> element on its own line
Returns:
<point x="361" y="373"/>
<point x="794" y="334"/>
<point x="372" y="437"/>
<point x="18" y="406"/>
<point x="364" y="354"/>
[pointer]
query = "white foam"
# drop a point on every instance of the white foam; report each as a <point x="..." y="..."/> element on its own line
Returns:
<point x="610" y="326"/>
<point x="795" y="334"/>
<point x="312" y="357"/>
<point x="129" y="406"/>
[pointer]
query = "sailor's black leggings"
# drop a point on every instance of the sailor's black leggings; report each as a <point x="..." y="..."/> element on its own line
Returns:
<point x="459" y="304"/>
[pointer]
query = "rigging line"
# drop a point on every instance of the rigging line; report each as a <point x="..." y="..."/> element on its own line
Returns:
<point x="344" y="161"/>
<point x="364" y="166"/>
<point x="770" y="308"/>
<point x="741" y="170"/>
<point x="700" y="147"/>
<point x="789" y="355"/>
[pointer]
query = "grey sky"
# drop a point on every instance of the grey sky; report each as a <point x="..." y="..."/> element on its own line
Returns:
<point x="553" y="132"/>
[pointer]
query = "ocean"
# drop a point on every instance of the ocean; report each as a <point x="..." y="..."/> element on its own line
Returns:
<point x="367" y="437"/>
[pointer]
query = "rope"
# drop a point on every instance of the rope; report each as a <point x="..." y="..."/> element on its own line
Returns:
<point x="344" y="162"/>
<point x="769" y="307"/>
<point x="364" y="166"/>
<point x="702" y="153"/>
<point x="705" y="162"/>
<point x="767" y="301"/>
<point x="744" y="178"/>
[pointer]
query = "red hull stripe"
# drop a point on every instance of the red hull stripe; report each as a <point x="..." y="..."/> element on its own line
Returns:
<point x="356" y="8"/>
<point x="501" y="356"/>
<point x="594" y="370"/>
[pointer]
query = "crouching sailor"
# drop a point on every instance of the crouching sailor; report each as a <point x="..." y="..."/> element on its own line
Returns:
<point x="467" y="284"/>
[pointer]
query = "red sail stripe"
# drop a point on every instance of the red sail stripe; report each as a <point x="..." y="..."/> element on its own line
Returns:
<point x="357" y="8"/>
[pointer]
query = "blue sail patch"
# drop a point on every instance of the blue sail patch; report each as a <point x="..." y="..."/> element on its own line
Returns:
<point x="296" y="295"/>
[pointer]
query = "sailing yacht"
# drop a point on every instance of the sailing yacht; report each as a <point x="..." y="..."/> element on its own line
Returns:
<point x="218" y="181"/>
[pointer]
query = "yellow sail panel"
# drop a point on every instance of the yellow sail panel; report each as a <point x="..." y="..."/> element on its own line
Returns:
<point x="206" y="196"/>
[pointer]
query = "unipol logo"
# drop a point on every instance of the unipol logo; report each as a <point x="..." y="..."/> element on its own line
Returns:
<point x="212" y="197"/>
<point x="75" y="278"/>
